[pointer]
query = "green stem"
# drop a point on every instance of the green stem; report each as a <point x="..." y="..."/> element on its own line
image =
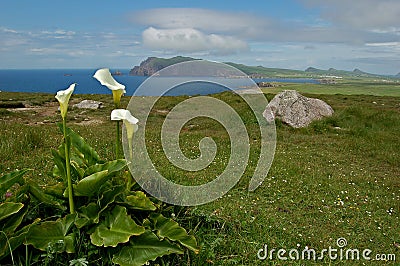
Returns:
<point x="117" y="142"/>
<point x="118" y="138"/>
<point x="68" y="167"/>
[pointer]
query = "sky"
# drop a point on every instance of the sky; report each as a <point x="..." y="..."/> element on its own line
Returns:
<point x="119" y="34"/>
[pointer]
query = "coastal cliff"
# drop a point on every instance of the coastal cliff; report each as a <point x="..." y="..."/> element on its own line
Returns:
<point x="153" y="64"/>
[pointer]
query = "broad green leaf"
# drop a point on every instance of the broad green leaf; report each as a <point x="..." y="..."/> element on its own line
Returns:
<point x="9" y="208"/>
<point x="11" y="242"/>
<point x="108" y="197"/>
<point x="53" y="235"/>
<point x="168" y="228"/>
<point x="111" y="166"/>
<point x="76" y="169"/>
<point x="56" y="190"/>
<point x="10" y="224"/>
<point x="8" y="180"/>
<point x="117" y="228"/>
<point x="139" y="201"/>
<point x="88" y="214"/>
<point x="89" y="154"/>
<point x="90" y="185"/>
<point x="144" y="248"/>
<point x="39" y="194"/>
<point x="59" y="168"/>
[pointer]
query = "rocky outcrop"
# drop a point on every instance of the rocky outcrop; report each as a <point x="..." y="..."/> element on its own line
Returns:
<point x="295" y="109"/>
<point x="266" y="84"/>
<point x="88" y="104"/>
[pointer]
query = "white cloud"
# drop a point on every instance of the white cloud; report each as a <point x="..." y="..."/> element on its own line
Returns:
<point x="202" y="19"/>
<point x="384" y="44"/>
<point x="362" y="14"/>
<point x="192" y="30"/>
<point x="250" y="28"/>
<point x="7" y="30"/>
<point x="191" y="40"/>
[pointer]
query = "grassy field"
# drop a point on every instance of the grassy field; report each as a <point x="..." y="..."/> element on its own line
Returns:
<point x="338" y="178"/>
<point x="344" y="87"/>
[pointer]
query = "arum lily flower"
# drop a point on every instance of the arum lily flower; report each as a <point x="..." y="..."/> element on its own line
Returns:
<point x="63" y="98"/>
<point x="130" y="123"/>
<point x="104" y="77"/>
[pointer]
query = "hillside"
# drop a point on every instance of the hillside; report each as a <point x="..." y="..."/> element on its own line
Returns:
<point x="343" y="73"/>
<point x="153" y="64"/>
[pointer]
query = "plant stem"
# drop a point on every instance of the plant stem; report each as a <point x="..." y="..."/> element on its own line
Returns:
<point x="118" y="138"/>
<point x="117" y="143"/>
<point x="68" y="167"/>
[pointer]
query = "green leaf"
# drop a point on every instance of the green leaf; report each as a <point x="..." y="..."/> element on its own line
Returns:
<point x="112" y="166"/>
<point x="13" y="221"/>
<point x="88" y="214"/>
<point x="109" y="197"/>
<point x="144" y="248"/>
<point x="59" y="168"/>
<point x="41" y="196"/>
<point x="11" y="242"/>
<point x="8" y="180"/>
<point x="9" y="208"/>
<point x="53" y="235"/>
<point x="89" y="155"/>
<point x="139" y="201"/>
<point x="117" y="228"/>
<point x="90" y="185"/>
<point x="56" y="190"/>
<point x="76" y="169"/>
<point x="172" y="230"/>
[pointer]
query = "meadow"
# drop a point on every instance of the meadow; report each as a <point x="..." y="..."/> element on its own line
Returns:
<point x="337" y="178"/>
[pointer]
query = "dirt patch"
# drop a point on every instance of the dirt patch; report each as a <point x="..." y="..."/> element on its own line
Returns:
<point x="90" y="122"/>
<point x="48" y="109"/>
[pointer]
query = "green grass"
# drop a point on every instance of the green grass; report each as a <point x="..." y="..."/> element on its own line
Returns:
<point x="339" y="177"/>
<point x="346" y="87"/>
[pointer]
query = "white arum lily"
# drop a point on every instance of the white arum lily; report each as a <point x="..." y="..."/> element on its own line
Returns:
<point x="130" y="123"/>
<point x="104" y="77"/>
<point x="129" y="120"/>
<point x="63" y="98"/>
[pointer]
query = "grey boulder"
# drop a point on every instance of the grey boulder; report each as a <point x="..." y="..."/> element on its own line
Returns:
<point x="295" y="109"/>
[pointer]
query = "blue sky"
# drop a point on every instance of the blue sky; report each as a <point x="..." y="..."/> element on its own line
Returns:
<point x="294" y="34"/>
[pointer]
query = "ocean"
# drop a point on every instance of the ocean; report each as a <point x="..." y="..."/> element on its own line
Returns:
<point x="53" y="80"/>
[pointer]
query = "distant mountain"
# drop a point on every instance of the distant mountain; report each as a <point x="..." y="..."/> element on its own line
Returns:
<point x="359" y="72"/>
<point x="313" y="70"/>
<point x="265" y="72"/>
<point x="153" y="64"/>
<point x="344" y="73"/>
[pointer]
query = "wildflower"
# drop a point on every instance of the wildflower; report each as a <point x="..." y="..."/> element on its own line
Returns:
<point x="130" y="123"/>
<point x="63" y="98"/>
<point x="104" y="77"/>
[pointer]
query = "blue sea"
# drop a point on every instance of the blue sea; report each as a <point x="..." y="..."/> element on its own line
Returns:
<point x="53" y="80"/>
